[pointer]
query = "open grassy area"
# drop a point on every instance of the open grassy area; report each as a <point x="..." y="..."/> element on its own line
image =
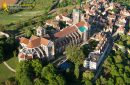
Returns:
<point x="21" y="16"/>
<point x="40" y="8"/>
<point x="5" y="73"/>
<point x="12" y="62"/>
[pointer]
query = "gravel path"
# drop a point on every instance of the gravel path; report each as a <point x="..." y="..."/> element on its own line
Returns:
<point x="9" y="67"/>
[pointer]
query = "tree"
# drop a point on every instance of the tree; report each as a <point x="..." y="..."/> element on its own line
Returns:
<point x="1" y="55"/>
<point x="88" y="82"/>
<point x="76" y="71"/>
<point x="28" y="31"/>
<point x="2" y="27"/>
<point x="88" y="75"/>
<point x="61" y="80"/>
<point x="25" y="80"/>
<point x="49" y="73"/>
<point x="110" y="81"/>
<point x="103" y="80"/>
<point x="119" y="81"/>
<point x="74" y="54"/>
<point x="23" y="73"/>
<point x="118" y="59"/>
<point x="37" y="67"/>
<point x="38" y="82"/>
<point x="114" y="71"/>
<point x="98" y="82"/>
<point x="11" y="81"/>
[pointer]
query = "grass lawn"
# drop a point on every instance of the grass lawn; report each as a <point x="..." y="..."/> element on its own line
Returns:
<point x="39" y="9"/>
<point x="12" y="62"/>
<point x="21" y="16"/>
<point x="5" y="73"/>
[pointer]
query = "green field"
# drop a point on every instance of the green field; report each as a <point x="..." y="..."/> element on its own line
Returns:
<point x="21" y="16"/>
<point x="12" y="62"/>
<point x="5" y="73"/>
<point x="40" y="8"/>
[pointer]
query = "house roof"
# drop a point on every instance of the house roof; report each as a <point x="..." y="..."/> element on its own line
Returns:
<point x="8" y="2"/>
<point x="82" y="23"/>
<point x="112" y="16"/>
<point x="24" y="40"/>
<point x="44" y="41"/>
<point x="65" y="31"/>
<point x="34" y="41"/>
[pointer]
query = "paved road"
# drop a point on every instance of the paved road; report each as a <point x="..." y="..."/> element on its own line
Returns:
<point x="11" y="69"/>
<point x="59" y="59"/>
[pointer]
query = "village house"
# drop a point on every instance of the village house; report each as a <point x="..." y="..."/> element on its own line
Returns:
<point x="53" y="23"/>
<point x="111" y="17"/>
<point x="121" y="30"/>
<point x="125" y="12"/>
<point x="63" y="17"/>
<point x="121" y="22"/>
<point x="93" y="60"/>
<point x="35" y="47"/>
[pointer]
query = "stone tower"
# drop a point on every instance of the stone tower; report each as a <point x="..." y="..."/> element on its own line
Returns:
<point x="76" y="16"/>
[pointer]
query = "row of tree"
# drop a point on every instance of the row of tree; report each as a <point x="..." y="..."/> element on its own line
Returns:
<point x="33" y="73"/>
<point x="116" y="70"/>
<point x="7" y="46"/>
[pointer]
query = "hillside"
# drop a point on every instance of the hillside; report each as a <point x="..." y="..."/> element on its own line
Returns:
<point x="41" y="6"/>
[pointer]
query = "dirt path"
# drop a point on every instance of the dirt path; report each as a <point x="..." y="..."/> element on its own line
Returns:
<point x="9" y="67"/>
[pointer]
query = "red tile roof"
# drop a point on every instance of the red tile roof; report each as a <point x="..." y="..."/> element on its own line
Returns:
<point x="44" y="41"/>
<point x="24" y="40"/>
<point x="37" y="41"/>
<point x="82" y="23"/>
<point x="65" y="31"/>
<point x="34" y="43"/>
